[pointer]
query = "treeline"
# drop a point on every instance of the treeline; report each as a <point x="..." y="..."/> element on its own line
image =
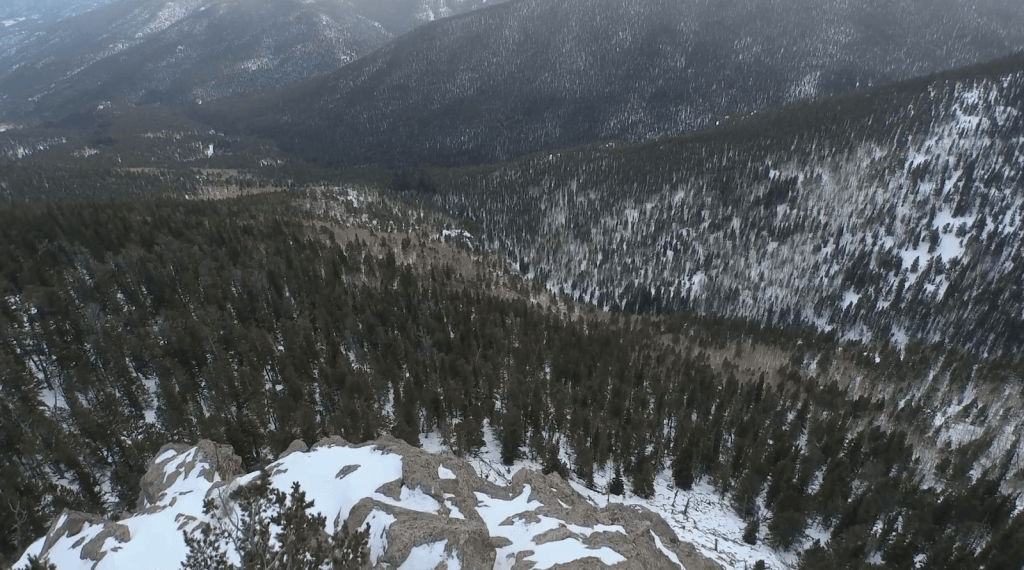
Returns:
<point x="128" y="324"/>
<point x="45" y="181"/>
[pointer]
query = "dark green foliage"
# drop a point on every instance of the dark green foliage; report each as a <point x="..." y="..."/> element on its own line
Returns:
<point x="245" y="321"/>
<point x="300" y="543"/>
<point x="719" y="205"/>
<point x="785" y="528"/>
<point x="44" y="181"/>
<point x="553" y="463"/>
<point x="682" y="467"/>
<point x="616" y="486"/>
<point x="750" y="531"/>
<point x="35" y="563"/>
<point x="642" y="477"/>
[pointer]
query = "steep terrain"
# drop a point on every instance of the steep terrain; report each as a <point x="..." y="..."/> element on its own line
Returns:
<point x="892" y="215"/>
<point x="422" y="510"/>
<point x="796" y="336"/>
<point x="143" y="52"/>
<point x="535" y="74"/>
<point x="303" y="312"/>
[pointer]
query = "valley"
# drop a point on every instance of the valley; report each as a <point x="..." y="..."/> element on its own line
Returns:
<point x="750" y="307"/>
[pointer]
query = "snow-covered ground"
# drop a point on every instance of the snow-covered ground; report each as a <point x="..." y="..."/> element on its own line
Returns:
<point x="699" y="516"/>
<point x="143" y="540"/>
<point x="383" y="485"/>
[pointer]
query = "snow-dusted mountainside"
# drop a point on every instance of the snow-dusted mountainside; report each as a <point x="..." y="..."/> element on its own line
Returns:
<point x="191" y="51"/>
<point x="424" y="511"/>
<point x="536" y="74"/>
<point x="890" y="216"/>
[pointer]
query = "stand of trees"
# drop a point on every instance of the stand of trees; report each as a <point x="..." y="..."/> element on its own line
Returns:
<point x="128" y="324"/>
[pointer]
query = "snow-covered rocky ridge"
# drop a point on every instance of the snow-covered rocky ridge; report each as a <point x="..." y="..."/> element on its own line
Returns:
<point x="424" y="511"/>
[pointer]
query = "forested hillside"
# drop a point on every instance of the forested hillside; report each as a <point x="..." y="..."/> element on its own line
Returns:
<point x="540" y="74"/>
<point x="255" y="321"/>
<point x="807" y="319"/>
<point x="890" y="215"/>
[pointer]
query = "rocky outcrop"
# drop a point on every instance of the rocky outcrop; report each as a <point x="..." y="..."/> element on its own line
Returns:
<point x="423" y="510"/>
<point x="216" y="462"/>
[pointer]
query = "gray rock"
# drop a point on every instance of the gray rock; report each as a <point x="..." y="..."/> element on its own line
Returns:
<point x="154" y="482"/>
<point x="469" y="538"/>
<point x="297" y="446"/>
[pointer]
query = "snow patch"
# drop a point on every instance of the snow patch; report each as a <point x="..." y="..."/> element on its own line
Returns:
<point x="522" y="534"/>
<point x="668" y="553"/>
<point x="379" y="523"/>
<point x="429" y="555"/>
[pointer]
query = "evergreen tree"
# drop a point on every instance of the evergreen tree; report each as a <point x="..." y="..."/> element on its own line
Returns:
<point x="243" y="523"/>
<point x="35" y="563"/>
<point x="616" y="486"/>
<point x="750" y="531"/>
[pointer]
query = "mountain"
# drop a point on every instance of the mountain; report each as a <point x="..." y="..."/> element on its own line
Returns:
<point x="19" y="19"/>
<point x="890" y="219"/>
<point x="792" y="337"/>
<point x="421" y="510"/>
<point x="535" y="74"/>
<point x="144" y="52"/>
<point x="891" y="215"/>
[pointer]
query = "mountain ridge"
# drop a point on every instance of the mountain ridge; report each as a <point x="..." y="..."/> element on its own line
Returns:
<point x="437" y="510"/>
<point x="180" y="52"/>
<point x="532" y="75"/>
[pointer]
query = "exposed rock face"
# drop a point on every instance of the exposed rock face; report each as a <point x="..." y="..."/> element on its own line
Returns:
<point x="212" y="459"/>
<point x="424" y="511"/>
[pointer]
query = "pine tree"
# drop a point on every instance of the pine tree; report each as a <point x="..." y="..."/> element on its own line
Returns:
<point x="244" y="522"/>
<point x="616" y="486"/>
<point x="682" y="467"/>
<point x="35" y="563"/>
<point x="643" y="477"/>
<point x="553" y="463"/>
<point x="750" y="531"/>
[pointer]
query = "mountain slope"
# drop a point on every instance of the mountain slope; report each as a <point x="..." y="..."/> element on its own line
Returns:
<point x="547" y="73"/>
<point x="19" y="19"/>
<point x="190" y="51"/>
<point x="328" y="310"/>
<point x="890" y="215"/>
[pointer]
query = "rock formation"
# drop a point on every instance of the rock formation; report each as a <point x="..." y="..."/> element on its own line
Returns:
<point x="424" y="511"/>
